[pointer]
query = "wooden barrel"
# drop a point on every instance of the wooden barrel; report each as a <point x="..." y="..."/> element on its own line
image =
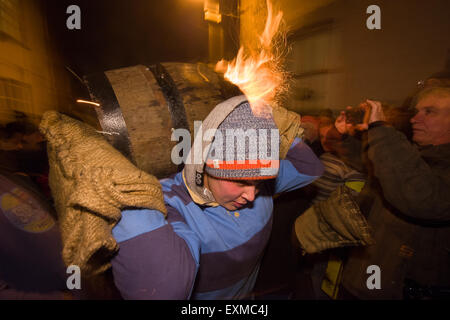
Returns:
<point x="140" y="105"/>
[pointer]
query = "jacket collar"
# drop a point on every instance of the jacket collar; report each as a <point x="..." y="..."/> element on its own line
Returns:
<point x="193" y="172"/>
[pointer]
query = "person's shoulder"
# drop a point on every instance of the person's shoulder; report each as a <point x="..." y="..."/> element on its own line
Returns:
<point x="175" y="191"/>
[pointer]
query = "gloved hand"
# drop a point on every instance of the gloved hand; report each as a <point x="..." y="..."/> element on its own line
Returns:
<point x="333" y="223"/>
<point x="91" y="182"/>
<point x="289" y="125"/>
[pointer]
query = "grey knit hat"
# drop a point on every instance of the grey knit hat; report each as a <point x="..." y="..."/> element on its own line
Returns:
<point x="245" y="147"/>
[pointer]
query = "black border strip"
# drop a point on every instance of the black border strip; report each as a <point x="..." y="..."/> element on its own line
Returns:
<point x="172" y="95"/>
<point x="110" y="116"/>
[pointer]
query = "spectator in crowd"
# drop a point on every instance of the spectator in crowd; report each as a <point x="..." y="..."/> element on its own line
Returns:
<point x="31" y="264"/>
<point x="23" y="151"/>
<point x="410" y="214"/>
<point x="339" y="182"/>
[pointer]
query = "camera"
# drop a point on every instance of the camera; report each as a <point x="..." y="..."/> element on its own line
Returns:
<point x="355" y="115"/>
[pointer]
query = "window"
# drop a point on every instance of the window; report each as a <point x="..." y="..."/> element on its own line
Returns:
<point x="14" y="96"/>
<point x="314" y="64"/>
<point x="10" y="19"/>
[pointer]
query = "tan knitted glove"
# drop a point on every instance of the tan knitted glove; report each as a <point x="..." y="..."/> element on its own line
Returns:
<point x="288" y="122"/>
<point x="333" y="223"/>
<point x="91" y="182"/>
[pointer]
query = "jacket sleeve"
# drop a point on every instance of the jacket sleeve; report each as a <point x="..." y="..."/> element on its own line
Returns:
<point x="300" y="168"/>
<point x="408" y="182"/>
<point x="156" y="259"/>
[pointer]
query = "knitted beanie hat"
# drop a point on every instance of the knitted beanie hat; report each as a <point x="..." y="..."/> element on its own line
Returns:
<point x="245" y="147"/>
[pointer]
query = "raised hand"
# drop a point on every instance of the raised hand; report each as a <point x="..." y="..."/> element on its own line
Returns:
<point x="376" y="111"/>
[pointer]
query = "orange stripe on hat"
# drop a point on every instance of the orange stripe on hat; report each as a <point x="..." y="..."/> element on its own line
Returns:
<point x="242" y="164"/>
<point x="248" y="178"/>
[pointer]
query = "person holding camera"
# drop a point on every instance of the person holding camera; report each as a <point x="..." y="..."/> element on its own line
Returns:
<point x="410" y="214"/>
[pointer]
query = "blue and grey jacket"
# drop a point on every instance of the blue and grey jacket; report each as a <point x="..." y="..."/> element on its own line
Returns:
<point x="202" y="250"/>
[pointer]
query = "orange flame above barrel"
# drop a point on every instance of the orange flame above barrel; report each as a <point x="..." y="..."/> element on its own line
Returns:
<point x="258" y="73"/>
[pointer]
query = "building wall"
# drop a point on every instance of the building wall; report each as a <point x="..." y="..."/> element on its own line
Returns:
<point x="337" y="61"/>
<point x="32" y="76"/>
<point x="223" y="36"/>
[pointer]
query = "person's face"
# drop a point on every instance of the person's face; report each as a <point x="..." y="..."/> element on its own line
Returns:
<point x="33" y="141"/>
<point x="431" y="124"/>
<point x="233" y="194"/>
<point x="12" y="144"/>
<point x="323" y="131"/>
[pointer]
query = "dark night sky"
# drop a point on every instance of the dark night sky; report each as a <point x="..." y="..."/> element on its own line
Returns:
<point x="120" y="33"/>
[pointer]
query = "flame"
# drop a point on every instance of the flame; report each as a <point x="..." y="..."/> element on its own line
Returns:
<point x="258" y="73"/>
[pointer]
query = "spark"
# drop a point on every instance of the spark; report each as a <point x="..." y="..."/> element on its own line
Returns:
<point x="89" y="102"/>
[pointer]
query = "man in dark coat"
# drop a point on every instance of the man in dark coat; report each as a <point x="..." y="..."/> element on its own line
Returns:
<point x="411" y="220"/>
